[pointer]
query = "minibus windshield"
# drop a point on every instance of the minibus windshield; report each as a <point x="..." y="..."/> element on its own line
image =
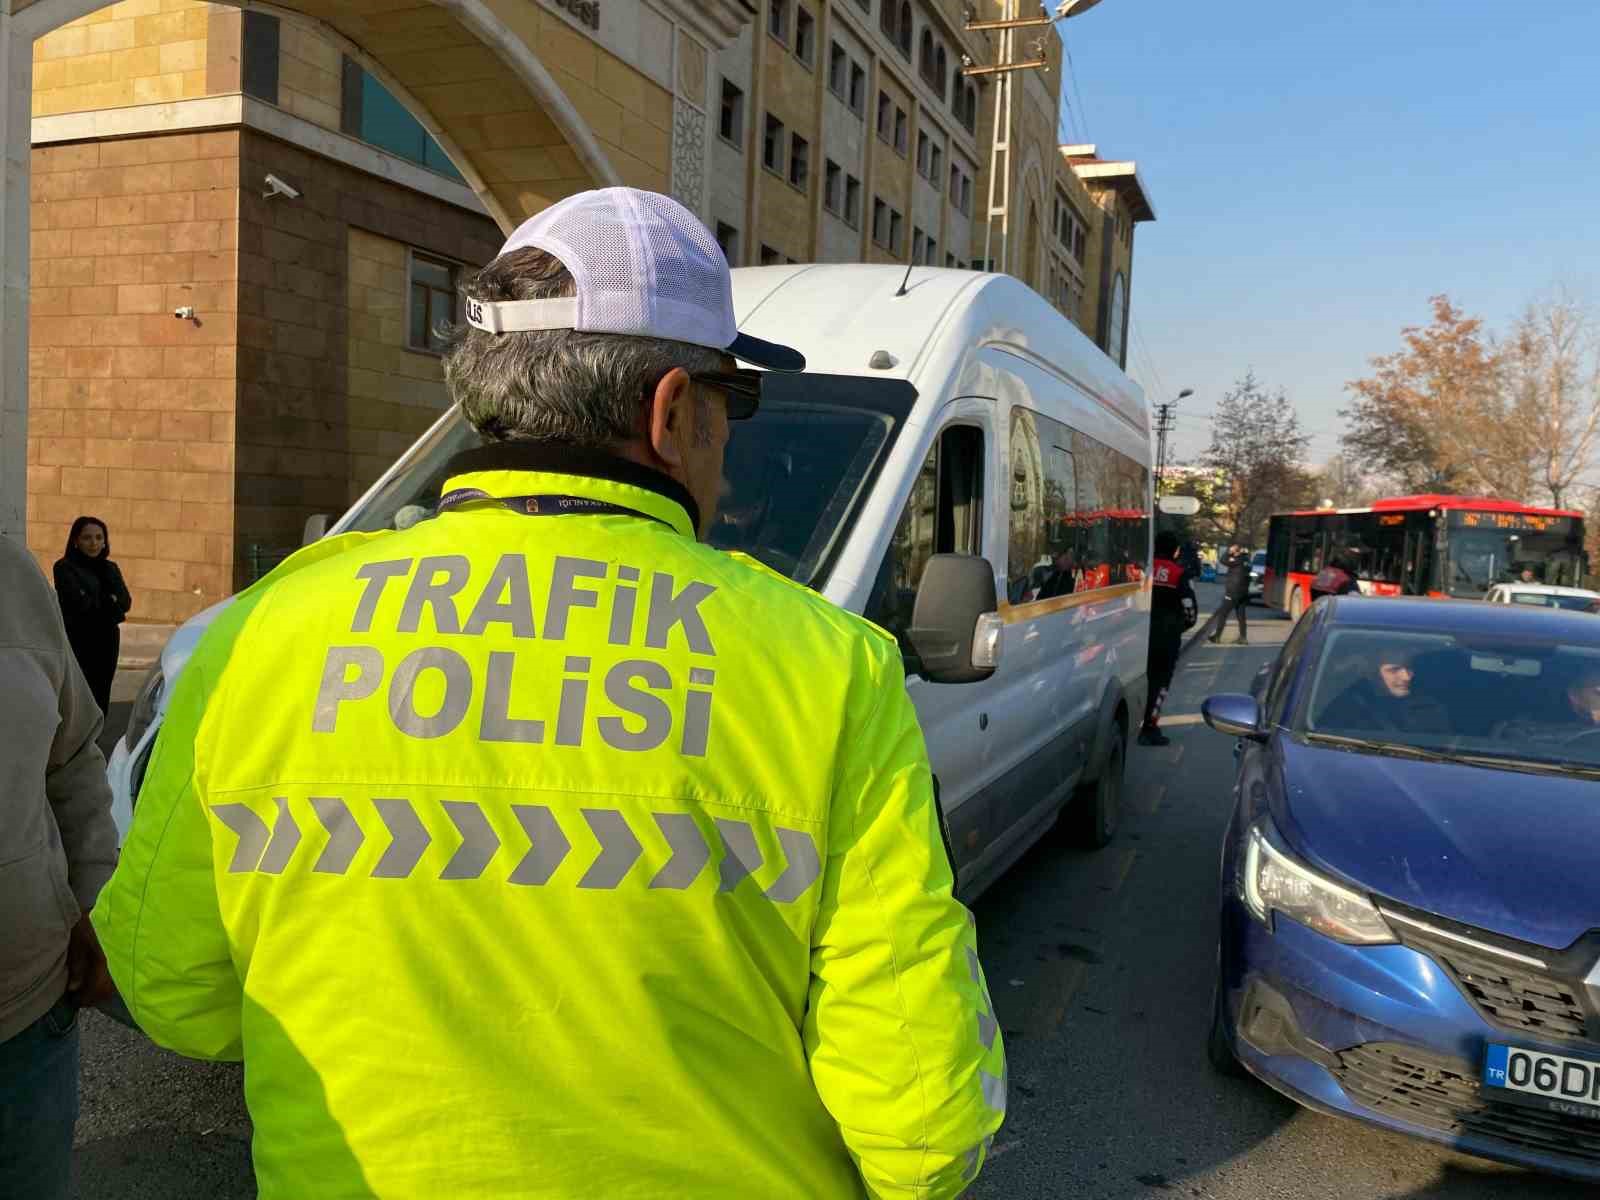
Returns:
<point x="794" y="480"/>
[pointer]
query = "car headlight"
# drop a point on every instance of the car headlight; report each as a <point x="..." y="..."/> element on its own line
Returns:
<point x="1271" y="881"/>
<point x="145" y="705"/>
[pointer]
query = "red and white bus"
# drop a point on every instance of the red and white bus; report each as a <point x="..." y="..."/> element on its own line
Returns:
<point x="1423" y="546"/>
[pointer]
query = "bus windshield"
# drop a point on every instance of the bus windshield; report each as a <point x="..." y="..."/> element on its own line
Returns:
<point x="1479" y="558"/>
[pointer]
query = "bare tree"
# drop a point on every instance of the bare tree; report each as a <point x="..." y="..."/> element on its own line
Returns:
<point x="1257" y="451"/>
<point x="1552" y="379"/>
<point x="1343" y="481"/>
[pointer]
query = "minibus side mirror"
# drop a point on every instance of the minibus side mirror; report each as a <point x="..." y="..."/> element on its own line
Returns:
<point x="315" y="527"/>
<point x="955" y="623"/>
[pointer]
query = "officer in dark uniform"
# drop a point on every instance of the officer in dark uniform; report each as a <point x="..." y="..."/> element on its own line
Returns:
<point x="1173" y="608"/>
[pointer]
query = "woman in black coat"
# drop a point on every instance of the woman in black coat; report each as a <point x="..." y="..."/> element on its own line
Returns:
<point x="93" y="602"/>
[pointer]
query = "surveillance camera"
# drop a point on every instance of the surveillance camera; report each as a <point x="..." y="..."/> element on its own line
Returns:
<point x="186" y="313"/>
<point x="277" y="187"/>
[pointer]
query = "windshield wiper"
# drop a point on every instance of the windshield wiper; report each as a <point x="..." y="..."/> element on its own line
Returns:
<point x="1536" y="766"/>
<point x="1397" y="749"/>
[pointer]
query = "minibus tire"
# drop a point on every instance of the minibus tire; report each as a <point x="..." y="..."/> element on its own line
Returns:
<point x="1097" y="806"/>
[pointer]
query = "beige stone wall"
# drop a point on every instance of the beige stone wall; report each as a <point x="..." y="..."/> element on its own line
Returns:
<point x="131" y="410"/>
<point x="309" y="75"/>
<point x="395" y="393"/>
<point x="134" y="52"/>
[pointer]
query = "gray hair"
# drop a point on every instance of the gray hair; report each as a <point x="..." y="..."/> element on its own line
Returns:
<point x="583" y="389"/>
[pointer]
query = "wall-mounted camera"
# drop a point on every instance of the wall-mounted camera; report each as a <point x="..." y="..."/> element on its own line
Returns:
<point x="277" y="187"/>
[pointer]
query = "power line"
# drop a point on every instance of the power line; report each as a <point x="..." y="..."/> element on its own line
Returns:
<point x="1072" y="74"/>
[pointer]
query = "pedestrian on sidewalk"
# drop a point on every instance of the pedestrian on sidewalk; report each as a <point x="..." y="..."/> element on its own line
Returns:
<point x="1173" y="608"/>
<point x="58" y="845"/>
<point x="1235" y="594"/>
<point x="565" y="853"/>
<point x="94" y="600"/>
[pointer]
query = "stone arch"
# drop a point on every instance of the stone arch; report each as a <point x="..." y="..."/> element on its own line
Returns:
<point x="470" y="71"/>
<point x="1027" y="260"/>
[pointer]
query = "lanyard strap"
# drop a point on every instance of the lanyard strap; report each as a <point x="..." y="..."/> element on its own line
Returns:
<point x="544" y="505"/>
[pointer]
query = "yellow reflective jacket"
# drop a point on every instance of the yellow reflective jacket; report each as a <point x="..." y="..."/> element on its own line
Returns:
<point x="558" y="857"/>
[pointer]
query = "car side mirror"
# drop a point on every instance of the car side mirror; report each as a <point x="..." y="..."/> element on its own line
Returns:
<point x="1234" y="714"/>
<point x="315" y="527"/>
<point x="955" y="623"/>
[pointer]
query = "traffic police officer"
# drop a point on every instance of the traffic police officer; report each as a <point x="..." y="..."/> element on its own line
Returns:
<point x="539" y="849"/>
<point x="1173" y="608"/>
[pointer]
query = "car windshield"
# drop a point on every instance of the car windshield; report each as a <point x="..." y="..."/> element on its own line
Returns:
<point x="1493" y="699"/>
<point x="795" y="474"/>
<point x="1259" y="559"/>
<point x="1551" y="600"/>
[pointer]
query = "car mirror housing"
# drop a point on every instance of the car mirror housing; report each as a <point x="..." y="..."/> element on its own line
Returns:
<point x="954" y="624"/>
<point x="1235" y="714"/>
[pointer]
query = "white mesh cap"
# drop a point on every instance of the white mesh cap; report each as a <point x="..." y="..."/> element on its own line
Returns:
<point x="643" y="265"/>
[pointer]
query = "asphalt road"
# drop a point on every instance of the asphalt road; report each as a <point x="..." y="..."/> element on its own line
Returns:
<point x="1100" y="965"/>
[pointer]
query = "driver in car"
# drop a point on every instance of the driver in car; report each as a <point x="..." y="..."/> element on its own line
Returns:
<point x="1384" y="699"/>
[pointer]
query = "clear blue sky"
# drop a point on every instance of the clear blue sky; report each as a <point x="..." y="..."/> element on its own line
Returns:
<point x="1319" y="170"/>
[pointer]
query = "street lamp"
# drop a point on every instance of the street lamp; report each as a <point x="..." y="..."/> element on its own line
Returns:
<point x="1072" y="8"/>
<point x="1164" y="424"/>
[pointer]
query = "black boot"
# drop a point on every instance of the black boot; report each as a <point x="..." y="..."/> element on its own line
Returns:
<point x="1151" y="735"/>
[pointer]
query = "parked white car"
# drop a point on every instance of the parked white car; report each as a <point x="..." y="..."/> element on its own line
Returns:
<point x="963" y="418"/>
<point x="1543" y="595"/>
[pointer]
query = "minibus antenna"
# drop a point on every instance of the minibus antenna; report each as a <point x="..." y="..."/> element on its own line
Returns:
<point x="907" y="279"/>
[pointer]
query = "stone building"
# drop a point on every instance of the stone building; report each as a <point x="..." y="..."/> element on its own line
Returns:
<point x="305" y="183"/>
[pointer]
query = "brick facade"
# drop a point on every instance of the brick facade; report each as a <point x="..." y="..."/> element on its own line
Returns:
<point x="205" y="444"/>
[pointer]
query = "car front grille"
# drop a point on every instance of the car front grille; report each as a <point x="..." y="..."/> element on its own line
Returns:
<point x="1445" y="1095"/>
<point x="1515" y="995"/>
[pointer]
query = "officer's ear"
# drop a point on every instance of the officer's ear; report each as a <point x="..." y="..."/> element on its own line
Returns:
<point x="669" y="422"/>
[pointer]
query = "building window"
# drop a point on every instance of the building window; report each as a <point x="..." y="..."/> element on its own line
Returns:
<point x="799" y="162"/>
<point x="966" y="196"/>
<point x="258" y="75"/>
<point x="732" y="123"/>
<point x="1117" y="335"/>
<point x="770" y="257"/>
<point x="949" y="260"/>
<point x="880" y="222"/>
<point x="852" y="201"/>
<point x="858" y="89"/>
<point x="886" y="19"/>
<point x="936" y="168"/>
<point x="432" y="301"/>
<point x="955" y="184"/>
<point x="369" y="111"/>
<point x="902" y="131"/>
<point x="728" y="239"/>
<point x="903" y="32"/>
<point x="805" y="35"/>
<point x="897" y="231"/>
<point x="941" y="72"/>
<point x="969" y="107"/>
<point x="838" y="71"/>
<point x="924" y="153"/>
<point x="919" y="244"/>
<point x="925" y="57"/>
<point x="772" y="145"/>
<point x="778" y="20"/>
<point x="930" y="255"/>
<point x="833" y="187"/>
<point x="885" y="116"/>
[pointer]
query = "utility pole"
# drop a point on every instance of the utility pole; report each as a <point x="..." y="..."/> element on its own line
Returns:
<point x="1166" y="422"/>
<point x="1003" y="69"/>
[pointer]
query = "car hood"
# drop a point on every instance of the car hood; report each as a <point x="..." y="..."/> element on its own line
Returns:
<point x="1503" y="850"/>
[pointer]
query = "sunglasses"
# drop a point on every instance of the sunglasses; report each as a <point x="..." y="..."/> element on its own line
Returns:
<point x="741" y="390"/>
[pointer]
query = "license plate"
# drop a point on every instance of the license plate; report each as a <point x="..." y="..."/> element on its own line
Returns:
<point x="1550" y="1081"/>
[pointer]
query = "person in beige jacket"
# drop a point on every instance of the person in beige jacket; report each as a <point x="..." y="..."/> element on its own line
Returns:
<point x="58" y="846"/>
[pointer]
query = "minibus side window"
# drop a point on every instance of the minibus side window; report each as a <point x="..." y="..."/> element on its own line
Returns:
<point x="943" y="515"/>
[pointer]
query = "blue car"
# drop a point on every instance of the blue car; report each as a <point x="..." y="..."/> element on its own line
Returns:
<point x="1410" y="891"/>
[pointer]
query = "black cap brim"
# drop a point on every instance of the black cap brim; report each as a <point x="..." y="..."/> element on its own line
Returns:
<point x="766" y="354"/>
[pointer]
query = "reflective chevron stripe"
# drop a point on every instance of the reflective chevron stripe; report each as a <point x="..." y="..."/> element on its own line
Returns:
<point x="272" y="852"/>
